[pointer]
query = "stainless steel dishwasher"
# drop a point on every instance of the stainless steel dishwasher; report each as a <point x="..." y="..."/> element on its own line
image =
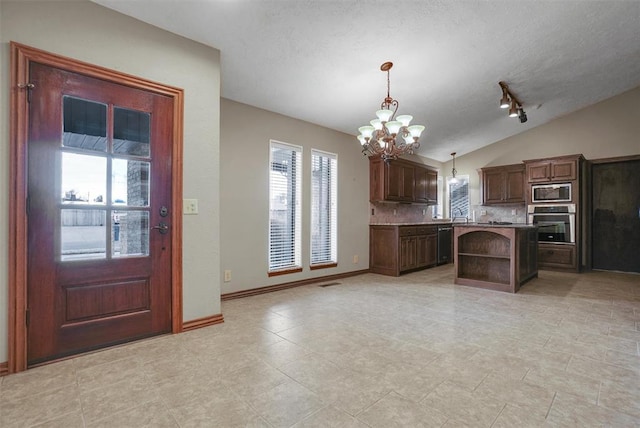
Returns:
<point x="445" y="244"/>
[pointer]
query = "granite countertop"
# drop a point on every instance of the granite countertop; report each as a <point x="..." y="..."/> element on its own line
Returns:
<point x="496" y="224"/>
<point x="415" y="223"/>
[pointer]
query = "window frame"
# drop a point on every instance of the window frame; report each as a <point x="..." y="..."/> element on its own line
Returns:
<point x="464" y="178"/>
<point x="296" y="215"/>
<point x="332" y="215"/>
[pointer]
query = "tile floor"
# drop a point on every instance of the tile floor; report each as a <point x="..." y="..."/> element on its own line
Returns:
<point x="372" y="351"/>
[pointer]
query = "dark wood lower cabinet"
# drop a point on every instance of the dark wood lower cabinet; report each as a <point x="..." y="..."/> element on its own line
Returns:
<point x="408" y="253"/>
<point x="427" y="253"/>
<point x="395" y="249"/>
<point x="557" y="256"/>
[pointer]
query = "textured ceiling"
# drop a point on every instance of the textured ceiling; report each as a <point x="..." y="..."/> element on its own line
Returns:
<point x="319" y="60"/>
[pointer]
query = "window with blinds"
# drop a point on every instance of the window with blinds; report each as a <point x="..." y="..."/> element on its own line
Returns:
<point x="285" y="197"/>
<point x="459" y="197"/>
<point x="324" y="208"/>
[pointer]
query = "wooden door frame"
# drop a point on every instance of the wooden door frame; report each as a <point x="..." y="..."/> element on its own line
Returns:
<point x="20" y="57"/>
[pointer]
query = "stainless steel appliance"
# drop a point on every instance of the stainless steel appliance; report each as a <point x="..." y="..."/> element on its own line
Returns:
<point x="445" y="241"/>
<point x="556" y="222"/>
<point x="552" y="192"/>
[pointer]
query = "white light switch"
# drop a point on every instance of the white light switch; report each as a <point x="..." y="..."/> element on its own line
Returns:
<point x="190" y="206"/>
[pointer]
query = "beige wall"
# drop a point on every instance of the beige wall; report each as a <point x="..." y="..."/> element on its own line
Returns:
<point x="245" y="132"/>
<point x="610" y="128"/>
<point x="91" y="33"/>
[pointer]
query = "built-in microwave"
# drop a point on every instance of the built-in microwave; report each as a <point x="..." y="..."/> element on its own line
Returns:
<point x="556" y="192"/>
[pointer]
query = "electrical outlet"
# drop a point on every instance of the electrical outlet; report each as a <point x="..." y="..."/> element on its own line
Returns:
<point x="394" y="212"/>
<point x="190" y="206"/>
<point x="355" y="259"/>
<point x="483" y="212"/>
<point x="514" y="212"/>
<point x="227" y="276"/>
<point x="424" y="212"/>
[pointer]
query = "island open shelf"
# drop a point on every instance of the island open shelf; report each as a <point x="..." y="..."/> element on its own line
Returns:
<point x="496" y="257"/>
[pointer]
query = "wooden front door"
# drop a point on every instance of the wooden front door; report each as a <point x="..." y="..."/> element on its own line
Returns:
<point x="99" y="213"/>
<point x="616" y="216"/>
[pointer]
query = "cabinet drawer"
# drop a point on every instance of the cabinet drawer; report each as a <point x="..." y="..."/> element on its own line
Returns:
<point x="426" y="230"/>
<point x="408" y="231"/>
<point x="557" y="255"/>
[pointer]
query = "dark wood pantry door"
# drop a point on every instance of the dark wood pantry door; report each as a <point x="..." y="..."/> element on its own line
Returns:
<point x="99" y="200"/>
<point x="616" y="216"/>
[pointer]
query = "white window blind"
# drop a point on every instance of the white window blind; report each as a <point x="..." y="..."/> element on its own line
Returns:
<point x="285" y="197"/>
<point x="324" y="207"/>
<point x="459" y="197"/>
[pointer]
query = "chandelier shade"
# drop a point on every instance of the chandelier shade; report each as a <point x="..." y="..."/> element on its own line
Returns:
<point x="389" y="136"/>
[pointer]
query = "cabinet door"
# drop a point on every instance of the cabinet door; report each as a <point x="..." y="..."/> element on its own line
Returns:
<point x="537" y="172"/>
<point x="376" y="179"/>
<point x="426" y="186"/>
<point x="422" y="183"/>
<point x="432" y="249"/>
<point x="408" y="253"/>
<point x="432" y="187"/>
<point x="563" y="170"/>
<point x="514" y="186"/>
<point x="408" y="183"/>
<point x="492" y="187"/>
<point x="422" y="258"/>
<point x="399" y="184"/>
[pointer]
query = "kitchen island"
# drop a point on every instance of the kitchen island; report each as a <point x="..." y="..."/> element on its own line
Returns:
<point x="495" y="256"/>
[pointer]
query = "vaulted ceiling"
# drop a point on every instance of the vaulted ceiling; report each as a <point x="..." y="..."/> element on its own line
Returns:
<point x="319" y="60"/>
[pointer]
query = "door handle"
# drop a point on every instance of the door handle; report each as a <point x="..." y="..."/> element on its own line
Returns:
<point x="162" y="227"/>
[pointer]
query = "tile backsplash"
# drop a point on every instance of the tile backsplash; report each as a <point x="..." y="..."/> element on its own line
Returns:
<point x="487" y="213"/>
<point x="381" y="213"/>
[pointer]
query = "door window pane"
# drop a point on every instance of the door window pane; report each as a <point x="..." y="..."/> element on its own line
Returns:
<point x="85" y="124"/>
<point x="130" y="233"/>
<point x="84" y="179"/>
<point x="131" y="132"/>
<point x="130" y="183"/>
<point x="83" y="234"/>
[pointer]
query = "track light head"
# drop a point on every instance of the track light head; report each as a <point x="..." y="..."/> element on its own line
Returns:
<point x="504" y="102"/>
<point x="513" y="110"/>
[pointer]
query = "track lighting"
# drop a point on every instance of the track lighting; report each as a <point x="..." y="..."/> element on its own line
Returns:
<point x="510" y="101"/>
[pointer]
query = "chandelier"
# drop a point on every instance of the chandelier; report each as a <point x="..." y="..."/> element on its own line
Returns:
<point x="389" y="136"/>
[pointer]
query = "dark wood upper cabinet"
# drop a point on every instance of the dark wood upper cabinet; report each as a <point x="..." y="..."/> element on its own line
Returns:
<point x="503" y="184"/>
<point x="402" y="181"/>
<point x="548" y="170"/>
<point x="426" y="188"/>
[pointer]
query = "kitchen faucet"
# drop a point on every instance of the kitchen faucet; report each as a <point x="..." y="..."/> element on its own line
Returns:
<point x="466" y="219"/>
